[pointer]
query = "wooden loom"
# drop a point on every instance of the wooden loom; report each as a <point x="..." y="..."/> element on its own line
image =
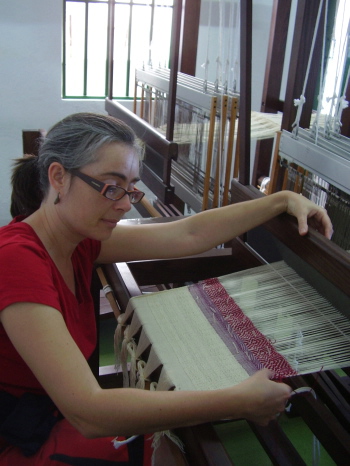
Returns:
<point x="200" y="170"/>
<point x="163" y="172"/>
<point x="315" y="258"/>
<point x="327" y="416"/>
<point x="313" y="162"/>
<point x="204" y="129"/>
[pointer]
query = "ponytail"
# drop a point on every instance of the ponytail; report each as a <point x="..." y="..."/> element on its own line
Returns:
<point x="26" y="194"/>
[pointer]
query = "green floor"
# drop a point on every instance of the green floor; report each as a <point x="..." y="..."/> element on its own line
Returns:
<point x="238" y="439"/>
<point x="107" y="329"/>
<point x="245" y="450"/>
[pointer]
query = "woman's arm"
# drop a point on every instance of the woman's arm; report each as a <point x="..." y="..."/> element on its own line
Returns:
<point x="40" y="336"/>
<point x="203" y="231"/>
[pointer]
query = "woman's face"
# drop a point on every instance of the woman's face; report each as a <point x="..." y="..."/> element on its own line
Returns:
<point x="90" y="214"/>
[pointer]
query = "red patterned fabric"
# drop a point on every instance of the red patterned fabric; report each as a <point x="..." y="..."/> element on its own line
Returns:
<point x="255" y="342"/>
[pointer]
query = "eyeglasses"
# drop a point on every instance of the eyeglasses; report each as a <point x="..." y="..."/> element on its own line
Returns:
<point x="110" y="191"/>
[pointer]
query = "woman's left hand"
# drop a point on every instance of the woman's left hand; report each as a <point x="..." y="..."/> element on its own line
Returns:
<point x="308" y="214"/>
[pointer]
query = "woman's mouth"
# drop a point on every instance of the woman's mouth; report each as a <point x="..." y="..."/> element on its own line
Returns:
<point x="111" y="222"/>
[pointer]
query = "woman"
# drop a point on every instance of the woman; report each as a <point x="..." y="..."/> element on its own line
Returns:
<point x="88" y="167"/>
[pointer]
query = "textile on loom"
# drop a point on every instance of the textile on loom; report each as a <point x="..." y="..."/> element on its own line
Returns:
<point x="218" y="332"/>
<point x="263" y="126"/>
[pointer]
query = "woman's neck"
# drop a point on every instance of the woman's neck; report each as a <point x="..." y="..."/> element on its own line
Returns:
<point x="59" y="242"/>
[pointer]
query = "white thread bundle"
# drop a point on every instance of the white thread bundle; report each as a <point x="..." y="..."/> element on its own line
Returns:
<point x="263" y="126"/>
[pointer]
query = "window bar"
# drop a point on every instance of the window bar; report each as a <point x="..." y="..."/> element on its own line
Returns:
<point x="64" y="51"/>
<point x="86" y="46"/>
<point x="110" y="50"/>
<point x="151" y="35"/>
<point x="174" y="61"/>
<point x="129" y="52"/>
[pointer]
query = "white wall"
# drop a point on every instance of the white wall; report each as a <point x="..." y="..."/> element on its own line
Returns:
<point x="30" y="79"/>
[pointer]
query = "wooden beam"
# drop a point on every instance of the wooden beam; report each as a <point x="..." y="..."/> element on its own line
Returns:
<point x="245" y="91"/>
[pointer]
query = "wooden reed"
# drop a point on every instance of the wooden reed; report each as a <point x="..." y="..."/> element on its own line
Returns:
<point x="275" y="164"/>
<point x="209" y="153"/>
<point x="220" y="151"/>
<point x="230" y="143"/>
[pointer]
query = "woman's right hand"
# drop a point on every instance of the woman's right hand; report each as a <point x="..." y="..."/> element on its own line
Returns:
<point x="265" y="399"/>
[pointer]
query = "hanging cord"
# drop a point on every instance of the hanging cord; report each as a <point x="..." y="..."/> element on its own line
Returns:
<point x="315" y="128"/>
<point x="219" y="59"/>
<point x="329" y="122"/>
<point x="300" y="102"/>
<point x="235" y="50"/>
<point x="341" y="102"/>
<point x="118" y="443"/>
<point x="224" y="46"/>
<point x="223" y="153"/>
<point x="221" y="80"/>
<point x="338" y="103"/>
<point x="205" y="65"/>
<point x="218" y="73"/>
<point x="341" y="105"/>
<point x="229" y="42"/>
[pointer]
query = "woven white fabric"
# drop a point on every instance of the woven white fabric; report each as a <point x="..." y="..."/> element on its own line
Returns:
<point x="192" y="354"/>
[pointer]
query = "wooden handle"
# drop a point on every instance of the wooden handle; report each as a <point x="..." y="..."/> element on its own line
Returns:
<point x="108" y="292"/>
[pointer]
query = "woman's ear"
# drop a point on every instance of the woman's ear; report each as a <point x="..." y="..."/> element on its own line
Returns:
<point x="57" y="176"/>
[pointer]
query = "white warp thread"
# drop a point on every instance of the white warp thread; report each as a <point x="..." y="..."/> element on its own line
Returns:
<point x="302" y="326"/>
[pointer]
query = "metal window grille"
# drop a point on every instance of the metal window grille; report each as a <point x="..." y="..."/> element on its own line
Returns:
<point x="140" y="32"/>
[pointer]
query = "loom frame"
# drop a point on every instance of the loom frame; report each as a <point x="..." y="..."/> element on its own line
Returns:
<point x="330" y="162"/>
<point x="329" y="260"/>
<point x="333" y="263"/>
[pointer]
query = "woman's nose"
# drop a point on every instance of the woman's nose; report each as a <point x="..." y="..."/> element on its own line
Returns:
<point x="123" y="203"/>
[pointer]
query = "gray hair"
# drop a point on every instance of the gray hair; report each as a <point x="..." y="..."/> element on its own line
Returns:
<point x="75" y="140"/>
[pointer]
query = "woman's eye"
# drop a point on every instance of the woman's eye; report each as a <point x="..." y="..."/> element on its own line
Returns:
<point x="113" y="189"/>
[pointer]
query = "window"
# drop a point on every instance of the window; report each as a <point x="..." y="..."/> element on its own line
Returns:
<point x="141" y="32"/>
<point x="337" y="71"/>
